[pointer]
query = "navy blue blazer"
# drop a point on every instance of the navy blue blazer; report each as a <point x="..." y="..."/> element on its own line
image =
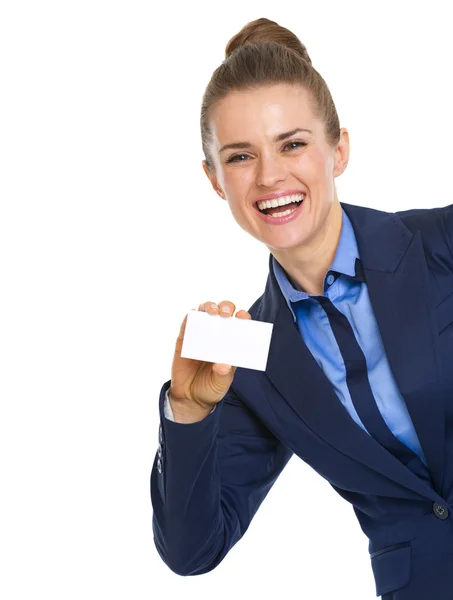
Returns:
<point x="209" y="478"/>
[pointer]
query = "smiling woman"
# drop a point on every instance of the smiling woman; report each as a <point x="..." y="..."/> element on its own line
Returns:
<point x="358" y="381"/>
<point x="270" y="130"/>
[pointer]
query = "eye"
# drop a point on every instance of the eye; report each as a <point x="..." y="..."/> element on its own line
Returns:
<point x="296" y="146"/>
<point x="234" y="158"/>
<point x="292" y="146"/>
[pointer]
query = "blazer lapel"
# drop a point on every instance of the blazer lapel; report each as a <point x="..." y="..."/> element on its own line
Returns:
<point x="396" y="274"/>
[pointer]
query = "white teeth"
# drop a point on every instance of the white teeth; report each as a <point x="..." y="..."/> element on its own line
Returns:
<point x="283" y="214"/>
<point x="280" y="201"/>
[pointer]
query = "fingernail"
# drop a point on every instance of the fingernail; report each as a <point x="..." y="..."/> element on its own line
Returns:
<point x="225" y="309"/>
<point x="213" y="306"/>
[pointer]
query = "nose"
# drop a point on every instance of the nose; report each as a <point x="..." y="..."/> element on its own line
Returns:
<point x="270" y="171"/>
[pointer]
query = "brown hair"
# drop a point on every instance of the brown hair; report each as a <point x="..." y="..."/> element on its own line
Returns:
<point x="263" y="53"/>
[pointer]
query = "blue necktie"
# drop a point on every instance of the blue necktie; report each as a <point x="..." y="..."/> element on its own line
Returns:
<point x="359" y="385"/>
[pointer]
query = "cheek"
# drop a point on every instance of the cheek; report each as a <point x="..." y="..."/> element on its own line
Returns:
<point x="326" y="164"/>
<point x="236" y="184"/>
<point x="317" y="165"/>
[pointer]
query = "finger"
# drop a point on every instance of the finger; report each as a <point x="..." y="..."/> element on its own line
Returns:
<point x="226" y="308"/>
<point x="182" y="328"/>
<point x="180" y="338"/>
<point x="224" y="369"/>
<point x="221" y="368"/>
<point x="209" y="307"/>
<point x="243" y="314"/>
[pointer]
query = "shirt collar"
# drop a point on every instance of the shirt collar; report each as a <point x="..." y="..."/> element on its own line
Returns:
<point x="344" y="262"/>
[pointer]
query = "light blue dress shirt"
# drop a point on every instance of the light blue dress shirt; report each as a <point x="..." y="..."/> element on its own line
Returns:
<point x="351" y="298"/>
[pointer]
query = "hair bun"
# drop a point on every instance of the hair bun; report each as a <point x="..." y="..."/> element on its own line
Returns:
<point x="265" y="30"/>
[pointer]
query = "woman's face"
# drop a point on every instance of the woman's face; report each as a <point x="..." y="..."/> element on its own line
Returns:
<point x="262" y="163"/>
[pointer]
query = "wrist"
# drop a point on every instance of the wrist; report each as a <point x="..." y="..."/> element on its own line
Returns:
<point x="188" y="411"/>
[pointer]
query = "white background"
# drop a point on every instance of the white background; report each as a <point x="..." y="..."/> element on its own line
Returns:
<point x="110" y="232"/>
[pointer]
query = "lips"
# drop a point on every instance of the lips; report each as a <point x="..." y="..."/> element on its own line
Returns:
<point x="279" y="195"/>
<point x="272" y="220"/>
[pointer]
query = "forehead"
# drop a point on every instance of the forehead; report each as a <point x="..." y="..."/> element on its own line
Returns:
<point x="265" y="111"/>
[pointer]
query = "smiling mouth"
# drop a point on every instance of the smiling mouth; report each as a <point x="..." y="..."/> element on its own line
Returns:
<point x="290" y="205"/>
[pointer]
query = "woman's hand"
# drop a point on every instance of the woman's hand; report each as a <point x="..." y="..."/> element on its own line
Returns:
<point x="197" y="386"/>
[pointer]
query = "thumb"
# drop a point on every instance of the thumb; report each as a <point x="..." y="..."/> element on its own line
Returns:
<point x="221" y="369"/>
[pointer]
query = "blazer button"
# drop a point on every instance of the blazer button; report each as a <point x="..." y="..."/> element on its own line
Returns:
<point x="160" y="434"/>
<point x="159" y="450"/>
<point x="440" y="511"/>
<point x="159" y="466"/>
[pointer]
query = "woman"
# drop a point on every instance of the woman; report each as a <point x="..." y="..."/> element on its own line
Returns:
<point x="358" y="382"/>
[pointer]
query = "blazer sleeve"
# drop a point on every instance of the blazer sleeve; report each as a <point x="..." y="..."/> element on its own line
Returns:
<point x="449" y="221"/>
<point x="208" y="480"/>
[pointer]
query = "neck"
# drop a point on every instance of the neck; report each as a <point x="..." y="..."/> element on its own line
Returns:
<point x="307" y="265"/>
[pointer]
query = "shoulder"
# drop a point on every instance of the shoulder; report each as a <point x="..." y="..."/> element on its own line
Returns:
<point x="435" y="226"/>
<point x="431" y="222"/>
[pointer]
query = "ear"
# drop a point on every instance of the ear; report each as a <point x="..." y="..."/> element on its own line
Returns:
<point x="342" y="153"/>
<point x="213" y="179"/>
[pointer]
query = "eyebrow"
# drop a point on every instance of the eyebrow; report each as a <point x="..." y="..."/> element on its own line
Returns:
<point x="278" y="138"/>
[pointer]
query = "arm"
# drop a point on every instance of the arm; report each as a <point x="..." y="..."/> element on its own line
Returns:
<point x="214" y="475"/>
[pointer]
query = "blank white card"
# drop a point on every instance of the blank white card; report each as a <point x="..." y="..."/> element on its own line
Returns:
<point x="230" y="340"/>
